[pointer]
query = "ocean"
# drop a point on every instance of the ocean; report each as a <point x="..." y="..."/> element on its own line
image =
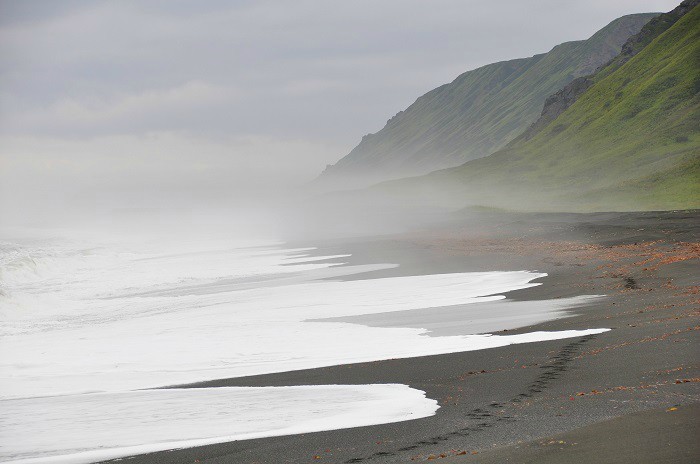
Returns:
<point x="92" y="329"/>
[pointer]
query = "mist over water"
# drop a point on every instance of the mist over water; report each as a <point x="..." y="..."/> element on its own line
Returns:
<point x="109" y="286"/>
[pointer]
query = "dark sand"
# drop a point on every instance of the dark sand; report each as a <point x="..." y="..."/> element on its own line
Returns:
<point x="663" y="435"/>
<point x="492" y="400"/>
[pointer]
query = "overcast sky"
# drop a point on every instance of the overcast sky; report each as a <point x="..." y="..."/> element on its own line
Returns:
<point x="178" y="92"/>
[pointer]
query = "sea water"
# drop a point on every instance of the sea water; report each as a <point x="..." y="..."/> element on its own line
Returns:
<point x="92" y="328"/>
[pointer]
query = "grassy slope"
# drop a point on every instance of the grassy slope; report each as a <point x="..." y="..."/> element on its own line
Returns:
<point x="481" y="110"/>
<point x="632" y="141"/>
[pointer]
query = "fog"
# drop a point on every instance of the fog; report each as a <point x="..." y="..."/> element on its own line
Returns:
<point x="136" y="111"/>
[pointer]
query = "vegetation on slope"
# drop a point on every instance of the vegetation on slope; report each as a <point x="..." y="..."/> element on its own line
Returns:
<point x="557" y="103"/>
<point x="480" y="111"/>
<point x="631" y="141"/>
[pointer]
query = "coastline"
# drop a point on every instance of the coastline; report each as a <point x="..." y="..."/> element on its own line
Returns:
<point x="500" y="396"/>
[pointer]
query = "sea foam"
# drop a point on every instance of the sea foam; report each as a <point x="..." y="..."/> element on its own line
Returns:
<point x="88" y="326"/>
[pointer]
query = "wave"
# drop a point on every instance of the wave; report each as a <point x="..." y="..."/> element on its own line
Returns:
<point x="87" y="324"/>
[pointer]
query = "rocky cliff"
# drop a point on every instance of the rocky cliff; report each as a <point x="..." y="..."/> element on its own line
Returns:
<point x="557" y="103"/>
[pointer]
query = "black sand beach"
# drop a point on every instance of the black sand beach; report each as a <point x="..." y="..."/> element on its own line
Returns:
<point x="517" y="403"/>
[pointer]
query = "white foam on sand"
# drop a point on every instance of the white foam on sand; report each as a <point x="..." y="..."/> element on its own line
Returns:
<point x="143" y="342"/>
<point x="116" y="319"/>
<point x="92" y="427"/>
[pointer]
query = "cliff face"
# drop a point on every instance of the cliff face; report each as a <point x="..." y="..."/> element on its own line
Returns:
<point x="556" y="104"/>
<point x="559" y="102"/>
<point x="479" y="112"/>
<point x="654" y="28"/>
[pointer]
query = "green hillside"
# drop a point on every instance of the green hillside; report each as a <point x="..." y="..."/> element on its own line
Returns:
<point x="479" y="112"/>
<point x="631" y="141"/>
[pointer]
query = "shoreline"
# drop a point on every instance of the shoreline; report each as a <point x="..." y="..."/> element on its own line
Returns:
<point x="497" y="397"/>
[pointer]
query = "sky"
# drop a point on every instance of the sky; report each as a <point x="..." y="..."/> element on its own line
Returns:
<point x="170" y="95"/>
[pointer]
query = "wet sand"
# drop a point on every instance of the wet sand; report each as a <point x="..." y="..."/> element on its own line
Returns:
<point x="647" y="263"/>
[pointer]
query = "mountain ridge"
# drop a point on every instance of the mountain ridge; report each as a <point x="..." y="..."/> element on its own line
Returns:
<point x="478" y="112"/>
<point x="631" y="141"/>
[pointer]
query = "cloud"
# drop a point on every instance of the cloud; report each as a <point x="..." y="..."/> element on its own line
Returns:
<point x="238" y="93"/>
<point x="136" y="112"/>
<point x="309" y="68"/>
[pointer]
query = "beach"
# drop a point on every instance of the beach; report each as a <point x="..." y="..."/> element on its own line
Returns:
<point x="646" y="264"/>
<point x="481" y="332"/>
<point x="103" y="332"/>
<point x="276" y="233"/>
